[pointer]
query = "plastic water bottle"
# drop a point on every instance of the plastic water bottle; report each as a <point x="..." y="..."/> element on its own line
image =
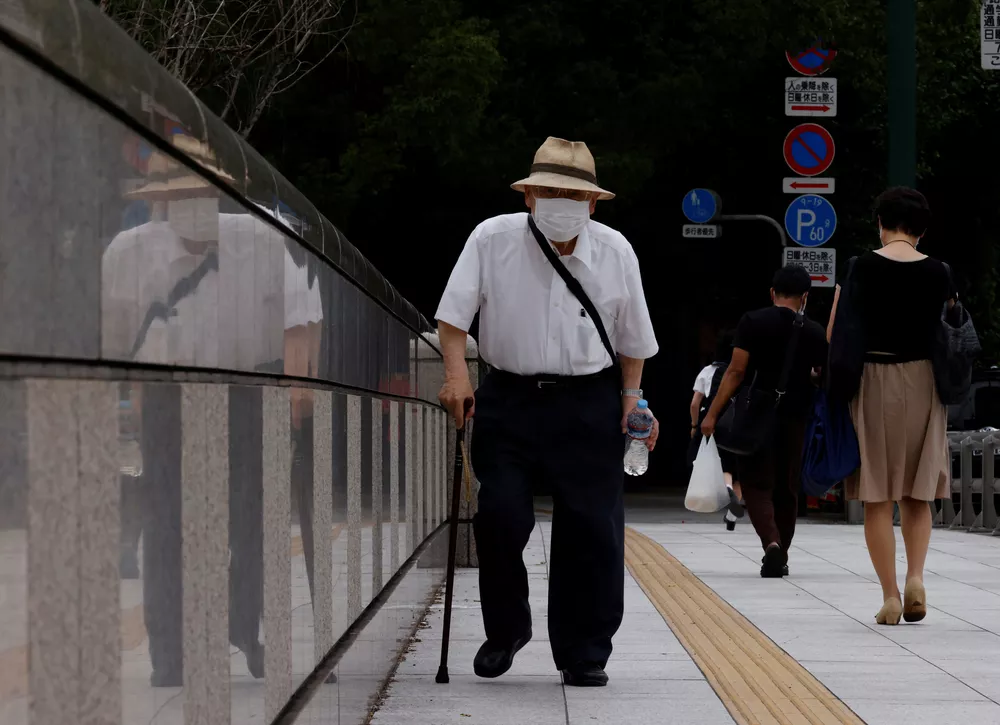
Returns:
<point x="640" y="425"/>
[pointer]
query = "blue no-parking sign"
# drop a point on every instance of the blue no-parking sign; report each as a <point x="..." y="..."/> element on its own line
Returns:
<point x="700" y="205"/>
<point x="810" y="220"/>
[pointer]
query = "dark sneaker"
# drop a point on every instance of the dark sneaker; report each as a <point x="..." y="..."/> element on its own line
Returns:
<point x="736" y="507"/>
<point x="774" y="563"/>
<point x="493" y="660"/>
<point x="585" y="675"/>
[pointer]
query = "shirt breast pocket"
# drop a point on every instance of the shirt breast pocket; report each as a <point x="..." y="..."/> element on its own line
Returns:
<point x="587" y="349"/>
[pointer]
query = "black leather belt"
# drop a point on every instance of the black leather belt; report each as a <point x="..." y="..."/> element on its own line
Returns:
<point x="542" y="382"/>
<point x="887" y="358"/>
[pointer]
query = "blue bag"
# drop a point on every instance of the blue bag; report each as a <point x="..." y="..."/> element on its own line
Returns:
<point x="831" y="451"/>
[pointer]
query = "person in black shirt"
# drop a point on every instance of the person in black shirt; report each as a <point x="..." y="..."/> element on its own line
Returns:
<point x="899" y="296"/>
<point x="771" y="478"/>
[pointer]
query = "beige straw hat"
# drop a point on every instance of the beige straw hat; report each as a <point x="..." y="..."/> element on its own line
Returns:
<point x="168" y="180"/>
<point x="561" y="164"/>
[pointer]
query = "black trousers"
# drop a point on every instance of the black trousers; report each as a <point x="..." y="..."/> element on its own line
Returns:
<point x="161" y="529"/>
<point x="569" y="438"/>
<point x="771" y="481"/>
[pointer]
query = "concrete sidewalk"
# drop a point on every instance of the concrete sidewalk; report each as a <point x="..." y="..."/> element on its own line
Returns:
<point x="943" y="670"/>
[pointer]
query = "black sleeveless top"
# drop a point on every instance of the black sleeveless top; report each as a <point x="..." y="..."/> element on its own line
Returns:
<point x="901" y="304"/>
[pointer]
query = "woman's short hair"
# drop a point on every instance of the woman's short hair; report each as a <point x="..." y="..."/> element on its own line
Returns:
<point x="903" y="210"/>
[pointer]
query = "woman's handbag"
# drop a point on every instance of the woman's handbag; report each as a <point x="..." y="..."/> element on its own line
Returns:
<point x="831" y="452"/>
<point x="748" y="423"/>
<point x="955" y="347"/>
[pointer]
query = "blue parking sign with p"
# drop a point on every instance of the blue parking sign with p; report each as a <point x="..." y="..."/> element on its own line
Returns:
<point x="810" y="220"/>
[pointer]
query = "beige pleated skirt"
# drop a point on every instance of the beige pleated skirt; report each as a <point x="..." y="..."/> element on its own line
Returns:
<point x="902" y="430"/>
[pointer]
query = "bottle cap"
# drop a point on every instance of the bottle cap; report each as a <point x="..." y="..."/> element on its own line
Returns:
<point x="642" y="405"/>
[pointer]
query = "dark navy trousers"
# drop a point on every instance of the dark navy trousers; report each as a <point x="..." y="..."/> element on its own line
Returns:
<point x="564" y="437"/>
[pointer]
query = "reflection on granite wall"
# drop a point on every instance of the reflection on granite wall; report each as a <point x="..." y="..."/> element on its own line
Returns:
<point x="217" y="444"/>
<point x="182" y="559"/>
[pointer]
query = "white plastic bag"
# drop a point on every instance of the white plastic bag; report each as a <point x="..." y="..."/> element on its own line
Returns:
<point x="707" y="492"/>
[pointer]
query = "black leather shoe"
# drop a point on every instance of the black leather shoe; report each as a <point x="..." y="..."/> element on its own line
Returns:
<point x="493" y="660"/>
<point x="774" y="563"/>
<point x="585" y="675"/>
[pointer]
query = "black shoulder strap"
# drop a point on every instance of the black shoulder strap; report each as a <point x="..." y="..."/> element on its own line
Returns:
<point x="953" y="288"/>
<point x="574" y="286"/>
<point x="184" y="287"/>
<point x="850" y="269"/>
<point x="793" y="345"/>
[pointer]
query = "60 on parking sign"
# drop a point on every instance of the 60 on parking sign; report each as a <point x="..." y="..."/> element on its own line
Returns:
<point x="810" y="220"/>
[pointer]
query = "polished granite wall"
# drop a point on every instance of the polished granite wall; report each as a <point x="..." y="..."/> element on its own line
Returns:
<point x="192" y="563"/>
<point x="218" y="440"/>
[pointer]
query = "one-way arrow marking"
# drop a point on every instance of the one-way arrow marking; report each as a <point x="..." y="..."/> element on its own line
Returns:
<point x="816" y="185"/>
<point x="818" y="109"/>
<point x="819" y="278"/>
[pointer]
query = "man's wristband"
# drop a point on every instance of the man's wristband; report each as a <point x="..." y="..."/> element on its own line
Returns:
<point x="632" y="393"/>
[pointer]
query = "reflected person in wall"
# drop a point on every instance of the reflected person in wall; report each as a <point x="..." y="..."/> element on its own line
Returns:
<point x="157" y="280"/>
<point x="179" y="291"/>
<point x="244" y="238"/>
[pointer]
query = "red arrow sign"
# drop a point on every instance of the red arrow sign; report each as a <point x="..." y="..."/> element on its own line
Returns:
<point x="814" y="185"/>
<point x="819" y="278"/>
<point x="824" y="109"/>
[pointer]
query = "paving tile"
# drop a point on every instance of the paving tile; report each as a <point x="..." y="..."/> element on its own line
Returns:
<point x="886" y="712"/>
<point x="514" y="700"/>
<point x="673" y="703"/>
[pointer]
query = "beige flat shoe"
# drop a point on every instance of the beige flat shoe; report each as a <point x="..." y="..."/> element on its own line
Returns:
<point x="914" y="601"/>
<point x="890" y="612"/>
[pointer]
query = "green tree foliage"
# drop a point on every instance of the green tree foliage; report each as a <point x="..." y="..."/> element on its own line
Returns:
<point x="411" y="134"/>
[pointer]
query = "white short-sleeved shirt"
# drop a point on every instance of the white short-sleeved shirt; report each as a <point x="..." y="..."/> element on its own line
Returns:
<point x="703" y="383"/>
<point x="530" y="323"/>
<point x="236" y="315"/>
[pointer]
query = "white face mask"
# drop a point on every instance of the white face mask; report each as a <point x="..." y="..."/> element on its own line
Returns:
<point x="196" y="220"/>
<point x="561" y="220"/>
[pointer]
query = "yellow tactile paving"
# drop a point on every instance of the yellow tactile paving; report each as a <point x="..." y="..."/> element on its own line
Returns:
<point x="757" y="681"/>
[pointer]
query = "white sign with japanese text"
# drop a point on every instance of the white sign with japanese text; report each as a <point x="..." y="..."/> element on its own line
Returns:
<point x="821" y="264"/>
<point x="811" y="97"/>
<point x="701" y="231"/>
<point x="989" y="28"/>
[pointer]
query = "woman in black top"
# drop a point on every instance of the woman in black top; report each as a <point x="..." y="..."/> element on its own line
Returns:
<point x="899" y="295"/>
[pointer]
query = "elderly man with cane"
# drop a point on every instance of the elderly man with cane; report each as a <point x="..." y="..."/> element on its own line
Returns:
<point x="565" y="329"/>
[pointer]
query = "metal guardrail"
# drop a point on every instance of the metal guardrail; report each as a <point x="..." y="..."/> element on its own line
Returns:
<point x="974" y="454"/>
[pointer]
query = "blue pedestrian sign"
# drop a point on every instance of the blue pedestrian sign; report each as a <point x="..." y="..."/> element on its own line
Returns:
<point x="700" y="205"/>
<point x="810" y="220"/>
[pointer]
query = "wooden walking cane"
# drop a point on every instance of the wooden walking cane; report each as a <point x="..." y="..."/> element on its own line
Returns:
<point x="461" y="470"/>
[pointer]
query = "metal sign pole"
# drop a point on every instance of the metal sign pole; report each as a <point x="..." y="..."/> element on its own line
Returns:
<point x="755" y="218"/>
